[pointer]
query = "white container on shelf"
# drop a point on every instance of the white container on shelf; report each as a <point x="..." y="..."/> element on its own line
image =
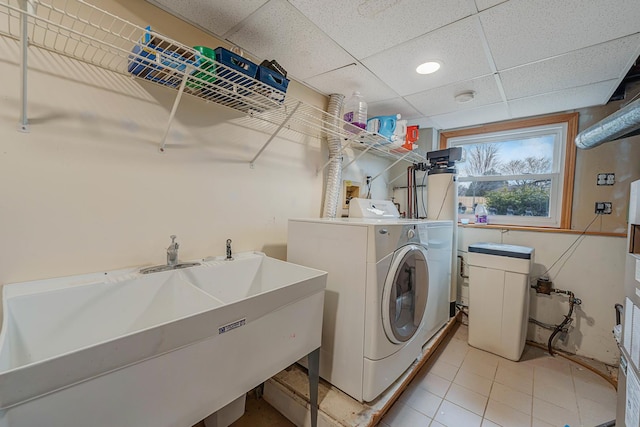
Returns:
<point x="481" y="214"/>
<point x="355" y="111"/>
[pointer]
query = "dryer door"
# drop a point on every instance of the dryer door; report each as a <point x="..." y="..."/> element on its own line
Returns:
<point x="405" y="293"/>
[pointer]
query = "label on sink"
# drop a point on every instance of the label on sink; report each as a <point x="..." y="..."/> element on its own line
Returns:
<point x="231" y="326"/>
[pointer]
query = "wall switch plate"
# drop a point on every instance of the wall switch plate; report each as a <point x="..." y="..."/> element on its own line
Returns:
<point x="606" y="179"/>
<point x="604" y="208"/>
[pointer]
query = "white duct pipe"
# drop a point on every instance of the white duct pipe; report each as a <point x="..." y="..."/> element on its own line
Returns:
<point x="334" y="170"/>
<point x="620" y="124"/>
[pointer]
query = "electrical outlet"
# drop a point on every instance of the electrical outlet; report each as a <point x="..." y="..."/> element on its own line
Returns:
<point x="349" y="191"/>
<point x="606" y="179"/>
<point x="604" y="208"/>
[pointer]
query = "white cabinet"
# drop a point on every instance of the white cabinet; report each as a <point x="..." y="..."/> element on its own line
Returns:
<point x="499" y="298"/>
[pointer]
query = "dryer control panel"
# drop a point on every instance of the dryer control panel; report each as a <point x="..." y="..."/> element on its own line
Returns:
<point x="390" y="237"/>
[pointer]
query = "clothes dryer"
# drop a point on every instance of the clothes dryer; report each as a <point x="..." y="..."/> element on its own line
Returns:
<point x="378" y="291"/>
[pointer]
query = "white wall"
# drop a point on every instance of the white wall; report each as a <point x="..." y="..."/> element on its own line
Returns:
<point x="87" y="189"/>
<point x="593" y="270"/>
<point x="357" y="172"/>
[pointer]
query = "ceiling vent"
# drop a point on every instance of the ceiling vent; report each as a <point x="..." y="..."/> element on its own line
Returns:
<point x="632" y="75"/>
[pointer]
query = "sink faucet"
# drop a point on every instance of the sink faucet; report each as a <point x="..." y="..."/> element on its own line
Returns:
<point x="229" y="257"/>
<point x="172" y="260"/>
<point x="172" y="251"/>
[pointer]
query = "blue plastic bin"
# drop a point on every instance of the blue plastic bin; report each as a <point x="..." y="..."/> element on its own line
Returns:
<point x="272" y="78"/>
<point x="155" y="59"/>
<point x="243" y="66"/>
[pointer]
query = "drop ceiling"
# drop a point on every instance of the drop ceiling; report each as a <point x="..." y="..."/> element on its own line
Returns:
<point x="521" y="57"/>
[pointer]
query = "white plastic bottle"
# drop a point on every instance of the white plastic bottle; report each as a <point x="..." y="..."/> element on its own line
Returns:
<point x="355" y="111"/>
<point x="481" y="214"/>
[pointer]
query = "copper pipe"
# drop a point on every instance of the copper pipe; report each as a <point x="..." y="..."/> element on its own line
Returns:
<point x="410" y="192"/>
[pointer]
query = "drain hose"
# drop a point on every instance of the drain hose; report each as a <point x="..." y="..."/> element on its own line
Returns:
<point x="334" y="171"/>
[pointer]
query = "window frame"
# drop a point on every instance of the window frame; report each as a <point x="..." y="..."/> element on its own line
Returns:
<point x="566" y="172"/>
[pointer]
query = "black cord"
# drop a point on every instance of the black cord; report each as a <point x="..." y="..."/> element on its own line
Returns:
<point x="415" y="194"/>
<point x="570" y="246"/>
<point x="424" y="207"/>
<point x="444" y="199"/>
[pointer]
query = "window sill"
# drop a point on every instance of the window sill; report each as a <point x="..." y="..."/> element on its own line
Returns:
<point x="540" y="229"/>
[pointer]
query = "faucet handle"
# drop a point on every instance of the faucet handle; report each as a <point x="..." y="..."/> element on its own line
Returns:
<point x="173" y="241"/>
<point x="229" y="255"/>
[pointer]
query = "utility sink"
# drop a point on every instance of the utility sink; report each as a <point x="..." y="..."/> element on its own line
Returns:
<point x="161" y="349"/>
<point x="252" y="277"/>
<point x="44" y="325"/>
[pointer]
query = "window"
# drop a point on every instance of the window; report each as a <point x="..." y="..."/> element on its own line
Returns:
<point x="522" y="171"/>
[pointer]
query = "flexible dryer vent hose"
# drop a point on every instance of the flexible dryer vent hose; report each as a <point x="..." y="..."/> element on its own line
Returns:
<point x="621" y="124"/>
<point x="334" y="171"/>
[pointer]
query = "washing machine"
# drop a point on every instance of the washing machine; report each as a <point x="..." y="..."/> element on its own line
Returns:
<point x="387" y="291"/>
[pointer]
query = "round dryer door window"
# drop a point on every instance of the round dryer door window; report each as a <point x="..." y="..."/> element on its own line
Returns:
<point x="405" y="293"/>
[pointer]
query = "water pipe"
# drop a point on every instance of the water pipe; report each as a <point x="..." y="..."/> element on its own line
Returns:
<point x="410" y="192"/>
<point x="567" y="319"/>
<point x="545" y="286"/>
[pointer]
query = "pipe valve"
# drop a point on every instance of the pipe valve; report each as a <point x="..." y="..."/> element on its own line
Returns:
<point x="544" y="286"/>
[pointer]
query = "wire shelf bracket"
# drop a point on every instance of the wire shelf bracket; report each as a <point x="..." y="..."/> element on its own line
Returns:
<point x="274" y="134"/>
<point x="28" y="7"/>
<point x="391" y="165"/>
<point x="173" y="113"/>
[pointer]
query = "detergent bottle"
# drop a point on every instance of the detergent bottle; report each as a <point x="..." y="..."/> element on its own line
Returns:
<point x="355" y="112"/>
<point x="481" y="214"/>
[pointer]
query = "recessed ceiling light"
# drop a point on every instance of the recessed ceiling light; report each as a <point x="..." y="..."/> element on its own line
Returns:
<point x="466" y="96"/>
<point x="428" y="67"/>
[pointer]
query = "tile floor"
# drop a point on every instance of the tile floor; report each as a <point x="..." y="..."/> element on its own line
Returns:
<point x="462" y="386"/>
<point x="466" y="387"/>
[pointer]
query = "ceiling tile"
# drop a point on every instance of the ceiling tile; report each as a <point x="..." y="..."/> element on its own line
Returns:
<point x="392" y="106"/>
<point x="441" y="99"/>
<point x="353" y="77"/>
<point x="541" y="48"/>
<point x="279" y="31"/>
<point x="457" y="46"/>
<point x="568" y="99"/>
<point x="486" y="4"/>
<point x="367" y="27"/>
<point x="217" y="16"/>
<point x="578" y="68"/>
<point x="485" y="114"/>
<point x="522" y="31"/>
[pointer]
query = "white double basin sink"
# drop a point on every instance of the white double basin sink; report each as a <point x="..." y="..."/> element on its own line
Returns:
<point x="164" y="349"/>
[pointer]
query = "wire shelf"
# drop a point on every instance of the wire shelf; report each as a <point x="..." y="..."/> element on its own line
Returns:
<point x="80" y="30"/>
<point x="313" y="121"/>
